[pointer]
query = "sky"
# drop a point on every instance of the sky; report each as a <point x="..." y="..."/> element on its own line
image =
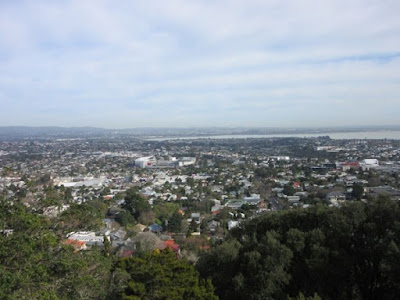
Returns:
<point x="184" y="63"/>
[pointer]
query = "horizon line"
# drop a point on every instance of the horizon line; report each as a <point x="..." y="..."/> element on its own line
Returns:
<point x="202" y="127"/>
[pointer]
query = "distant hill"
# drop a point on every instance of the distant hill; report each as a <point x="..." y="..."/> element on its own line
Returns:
<point x="18" y="132"/>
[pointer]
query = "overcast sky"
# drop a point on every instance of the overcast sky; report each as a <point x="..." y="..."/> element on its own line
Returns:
<point x="120" y="64"/>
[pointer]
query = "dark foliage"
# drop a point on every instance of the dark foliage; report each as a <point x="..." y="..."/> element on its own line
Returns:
<point x="351" y="252"/>
<point x="160" y="275"/>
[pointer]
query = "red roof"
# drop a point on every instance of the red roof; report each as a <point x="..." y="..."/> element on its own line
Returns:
<point x="205" y="247"/>
<point x="74" y="243"/>
<point x="127" y="253"/>
<point x="172" y="245"/>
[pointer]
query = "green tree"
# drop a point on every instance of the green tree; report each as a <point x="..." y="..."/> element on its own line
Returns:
<point x="190" y="182"/>
<point x="83" y="216"/>
<point x="136" y="203"/>
<point x="348" y="252"/>
<point x="163" y="276"/>
<point x="35" y="265"/>
<point x="124" y="218"/>
<point x="288" y="190"/>
<point x="358" y="191"/>
<point x="164" y="210"/>
<point x="175" y="222"/>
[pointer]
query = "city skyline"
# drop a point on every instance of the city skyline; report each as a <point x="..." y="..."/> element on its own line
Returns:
<point x="199" y="64"/>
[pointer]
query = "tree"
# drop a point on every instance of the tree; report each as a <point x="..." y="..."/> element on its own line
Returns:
<point x="136" y="203"/>
<point x="124" y="218"/>
<point x="146" y="217"/>
<point x="358" y="191"/>
<point x="35" y="265"/>
<point x="348" y="252"/>
<point x="164" y="210"/>
<point x="175" y="222"/>
<point x="81" y="217"/>
<point x="147" y="241"/>
<point x="45" y="179"/>
<point x="255" y="271"/>
<point x="288" y="190"/>
<point x="163" y="276"/>
<point x="190" y="182"/>
<point x="193" y="226"/>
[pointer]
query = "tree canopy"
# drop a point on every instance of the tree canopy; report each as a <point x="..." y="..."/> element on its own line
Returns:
<point x="160" y="275"/>
<point x="35" y="265"/>
<point x="136" y="203"/>
<point x="336" y="253"/>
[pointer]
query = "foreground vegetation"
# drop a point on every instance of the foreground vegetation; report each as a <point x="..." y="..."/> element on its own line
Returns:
<point x="350" y="252"/>
<point x="35" y="264"/>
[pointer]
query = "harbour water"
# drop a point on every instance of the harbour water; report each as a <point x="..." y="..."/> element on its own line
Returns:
<point x="375" y="135"/>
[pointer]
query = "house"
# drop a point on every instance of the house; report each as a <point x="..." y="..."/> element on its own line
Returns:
<point x="296" y="185"/>
<point x="235" y="204"/>
<point x="86" y="236"/>
<point x="212" y="226"/>
<point x="195" y="217"/>
<point x="120" y="234"/>
<point x="349" y="165"/>
<point x="254" y="199"/>
<point x="301" y="194"/>
<point x="126" y="253"/>
<point x="336" y="196"/>
<point x="293" y="199"/>
<point x="77" y="245"/>
<point x="139" y="227"/>
<point x="216" y="209"/>
<point x="155" y="228"/>
<point x="233" y="224"/>
<point x="217" y="188"/>
<point x="170" y="244"/>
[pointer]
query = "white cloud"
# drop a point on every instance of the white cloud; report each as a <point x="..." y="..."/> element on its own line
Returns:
<point x="199" y="62"/>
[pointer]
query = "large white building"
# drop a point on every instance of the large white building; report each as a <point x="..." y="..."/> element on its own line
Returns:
<point x="371" y="162"/>
<point x="367" y="164"/>
<point x="171" y="162"/>
<point x="81" y="181"/>
<point x="85" y="236"/>
<point x="145" y="162"/>
<point x="186" y="161"/>
<point x="279" y="158"/>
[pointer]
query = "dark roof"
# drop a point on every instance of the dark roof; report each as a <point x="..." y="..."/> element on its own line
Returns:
<point x="155" y="227"/>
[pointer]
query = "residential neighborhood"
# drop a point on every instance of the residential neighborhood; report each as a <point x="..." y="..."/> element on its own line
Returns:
<point x="136" y="194"/>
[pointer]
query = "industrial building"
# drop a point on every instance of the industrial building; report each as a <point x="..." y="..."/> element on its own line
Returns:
<point x="145" y="162"/>
<point x="171" y="162"/>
